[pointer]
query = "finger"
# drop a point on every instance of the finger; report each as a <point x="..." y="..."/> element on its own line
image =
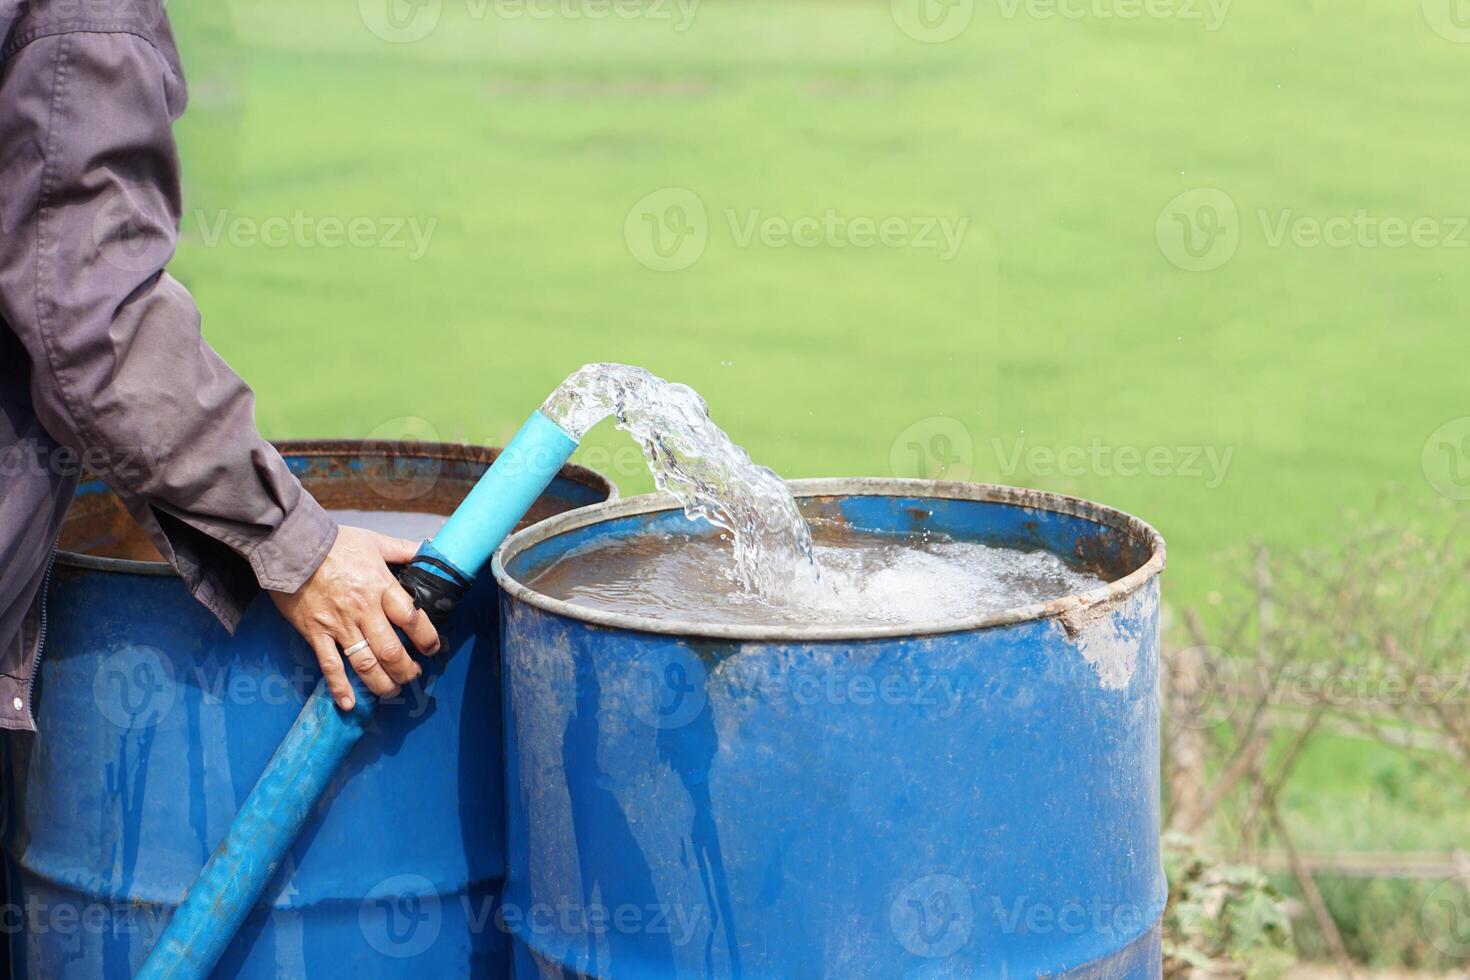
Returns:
<point x="395" y="551"/>
<point x="401" y="611"/>
<point x="388" y="648"/>
<point x="329" y="658"/>
<point x="365" y="662"/>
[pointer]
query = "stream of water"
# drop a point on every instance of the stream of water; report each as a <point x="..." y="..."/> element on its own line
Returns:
<point x="693" y="460"/>
<point x="766" y="567"/>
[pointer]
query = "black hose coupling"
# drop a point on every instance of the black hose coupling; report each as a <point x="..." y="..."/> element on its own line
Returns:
<point x="436" y="586"/>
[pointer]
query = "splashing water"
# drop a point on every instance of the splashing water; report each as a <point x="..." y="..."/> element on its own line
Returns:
<point x="781" y="575"/>
<point x="693" y="460"/>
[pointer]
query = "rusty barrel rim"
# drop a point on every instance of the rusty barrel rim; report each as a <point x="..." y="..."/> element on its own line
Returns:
<point x="348" y="449"/>
<point x="1064" y="607"/>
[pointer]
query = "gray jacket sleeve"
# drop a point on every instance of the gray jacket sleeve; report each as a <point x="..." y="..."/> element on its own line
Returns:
<point x="90" y="204"/>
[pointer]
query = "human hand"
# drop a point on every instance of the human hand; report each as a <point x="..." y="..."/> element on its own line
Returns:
<point x="352" y="597"/>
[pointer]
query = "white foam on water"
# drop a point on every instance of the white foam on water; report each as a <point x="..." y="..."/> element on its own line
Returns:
<point x="867" y="580"/>
<point x="933" y="581"/>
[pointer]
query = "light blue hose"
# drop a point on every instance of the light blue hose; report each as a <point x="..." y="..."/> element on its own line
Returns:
<point x="301" y="769"/>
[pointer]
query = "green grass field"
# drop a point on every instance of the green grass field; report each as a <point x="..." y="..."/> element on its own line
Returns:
<point x="1317" y="372"/>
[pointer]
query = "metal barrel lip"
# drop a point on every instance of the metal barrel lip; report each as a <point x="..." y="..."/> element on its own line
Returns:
<point x="1043" y="500"/>
<point x="346" y="448"/>
<point x="118" y="566"/>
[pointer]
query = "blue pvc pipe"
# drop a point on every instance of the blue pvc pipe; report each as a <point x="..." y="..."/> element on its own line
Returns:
<point x="239" y="870"/>
<point x="501" y="498"/>
<point x="264" y="829"/>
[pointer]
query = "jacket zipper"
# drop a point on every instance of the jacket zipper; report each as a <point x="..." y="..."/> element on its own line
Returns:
<point x="40" y="638"/>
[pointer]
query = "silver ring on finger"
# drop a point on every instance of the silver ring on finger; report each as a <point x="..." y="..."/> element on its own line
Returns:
<point x="357" y="647"/>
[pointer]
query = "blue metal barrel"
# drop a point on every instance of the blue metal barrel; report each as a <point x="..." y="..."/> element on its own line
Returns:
<point x="154" y="725"/>
<point x="977" y="798"/>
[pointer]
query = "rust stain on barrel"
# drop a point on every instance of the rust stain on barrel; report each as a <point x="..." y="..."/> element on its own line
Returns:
<point x="341" y="475"/>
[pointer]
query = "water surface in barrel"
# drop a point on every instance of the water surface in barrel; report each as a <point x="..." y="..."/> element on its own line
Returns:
<point x="867" y="579"/>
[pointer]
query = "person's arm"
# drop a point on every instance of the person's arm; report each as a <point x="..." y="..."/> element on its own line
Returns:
<point x="90" y="202"/>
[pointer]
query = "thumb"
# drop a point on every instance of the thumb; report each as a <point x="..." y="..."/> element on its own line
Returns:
<point x="395" y="551"/>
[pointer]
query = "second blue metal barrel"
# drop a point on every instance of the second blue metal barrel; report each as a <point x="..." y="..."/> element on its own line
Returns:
<point x="977" y="798"/>
<point x="154" y="724"/>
